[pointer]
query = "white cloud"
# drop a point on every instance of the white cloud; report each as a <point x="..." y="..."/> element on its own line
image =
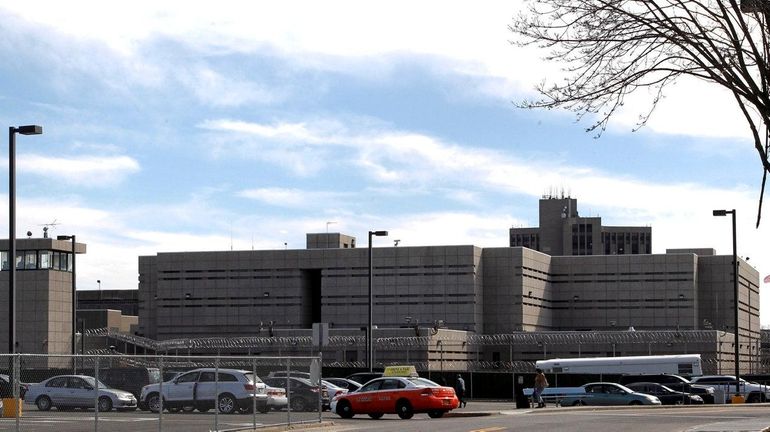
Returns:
<point x="283" y="197"/>
<point x="215" y="89"/>
<point x="93" y="171"/>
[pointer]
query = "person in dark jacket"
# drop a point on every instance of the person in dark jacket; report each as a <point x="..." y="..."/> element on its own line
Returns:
<point x="460" y="390"/>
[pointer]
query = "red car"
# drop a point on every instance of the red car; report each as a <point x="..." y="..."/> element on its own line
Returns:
<point x="404" y="396"/>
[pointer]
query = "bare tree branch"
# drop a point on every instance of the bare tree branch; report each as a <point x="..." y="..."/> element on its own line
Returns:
<point x="612" y="48"/>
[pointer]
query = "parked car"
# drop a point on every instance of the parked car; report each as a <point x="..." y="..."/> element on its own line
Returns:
<point x="404" y="396"/>
<point x="603" y="393"/>
<point x="332" y="390"/>
<point x="276" y="398"/>
<point x="303" y="396"/>
<point x="130" y="379"/>
<point x="666" y="395"/>
<point x="364" y="377"/>
<point x="345" y="383"/>
<point x="751" y="391"/>
<point x="674" y="382"/>
<point x="78" y="391"/>
<point x="6" y="389"/>
<point x="230" y="391"/>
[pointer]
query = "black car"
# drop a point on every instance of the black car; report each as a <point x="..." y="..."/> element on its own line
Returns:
<point x="666" y="395"/>
<point x="674" y="382"/>
<point x="303" y="396"/>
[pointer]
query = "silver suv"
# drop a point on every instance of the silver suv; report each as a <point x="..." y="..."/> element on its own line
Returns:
<point x="751" y="391"/>
<point x="232" y="391"/>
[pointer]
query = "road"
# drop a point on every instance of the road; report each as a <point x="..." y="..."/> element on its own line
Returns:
<point x="477" y="417"/>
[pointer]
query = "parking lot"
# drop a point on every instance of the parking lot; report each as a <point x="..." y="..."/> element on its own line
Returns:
<point x="479" y="415"/>
<point x="66" y="421"/>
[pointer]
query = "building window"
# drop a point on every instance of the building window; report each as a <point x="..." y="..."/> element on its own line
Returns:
<point x="30" y="260"/>
<point x="38" y="260"/>
<point x="45" y="259"/>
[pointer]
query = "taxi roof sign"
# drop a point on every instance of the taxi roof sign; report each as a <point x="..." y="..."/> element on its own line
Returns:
<point x="400" y="371"/>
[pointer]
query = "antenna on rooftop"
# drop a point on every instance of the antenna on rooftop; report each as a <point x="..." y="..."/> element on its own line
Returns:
<point x="327" y="225"/>
<point x="50" y="225"/>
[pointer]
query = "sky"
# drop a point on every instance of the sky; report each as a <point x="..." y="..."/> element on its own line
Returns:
<point x="190" y="126"/>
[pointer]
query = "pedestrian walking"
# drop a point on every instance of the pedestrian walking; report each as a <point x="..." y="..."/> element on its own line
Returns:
<point x="460" y="390"/>
<point x="540" y="384"/>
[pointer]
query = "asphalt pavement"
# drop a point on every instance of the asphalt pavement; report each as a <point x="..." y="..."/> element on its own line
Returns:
<point x="481" y="408"/>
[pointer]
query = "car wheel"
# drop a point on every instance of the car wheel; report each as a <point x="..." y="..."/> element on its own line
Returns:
<point x="153" y="403"/>
<point x="635" y="402"/>
<point x="375" y="416"/>
<point x="188" y="408"/>
<point x="298" y="404"/>
<point x="344" y="409"/>
<point x="435" y="414"/>
<point x="227" y="404"/>
<point x="203" y="409"/>
<point x="404" y="409"/>
<point x="43" y="403"/>
<point x="173" y="409"/>
<point x="578" y="403"/>
<point x="263" y="408"/>
<point x="104" y="404"/>
<point x="679" y="402"/>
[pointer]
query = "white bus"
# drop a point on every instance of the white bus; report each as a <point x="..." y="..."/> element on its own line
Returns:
<point x="684" y="364"/>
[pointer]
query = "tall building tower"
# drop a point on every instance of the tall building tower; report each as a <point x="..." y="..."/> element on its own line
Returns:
<point x="563" y="232"/>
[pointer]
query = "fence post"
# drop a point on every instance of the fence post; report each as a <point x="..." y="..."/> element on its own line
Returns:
<point x="96" y="394"/>
<point x="216" y="393"/>
<point x="16" y="383"/>
<point x="254" y="395"/>
<point x="288" y="392"/>
<point x="160" y="396"/>
<point x="320" y="384"/>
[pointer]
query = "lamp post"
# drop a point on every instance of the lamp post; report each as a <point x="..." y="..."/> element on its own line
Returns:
<point x="12" y="131"/>
<point x="735" y="295"/>
<point x="369" y="344"/>
<point x="74" y="292"/>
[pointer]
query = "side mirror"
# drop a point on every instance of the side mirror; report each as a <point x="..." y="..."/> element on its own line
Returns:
<point x="89" y="387"/>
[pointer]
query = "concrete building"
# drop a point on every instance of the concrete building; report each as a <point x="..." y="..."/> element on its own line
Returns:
<point x="485" y="291"/>
<point x="125" y="300"/>
<point x="43" y="295"/>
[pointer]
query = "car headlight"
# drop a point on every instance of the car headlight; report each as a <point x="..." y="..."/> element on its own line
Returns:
<point x="697" y="398"/>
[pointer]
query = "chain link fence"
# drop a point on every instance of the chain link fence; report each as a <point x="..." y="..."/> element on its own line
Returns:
<point x="158" y="392"/>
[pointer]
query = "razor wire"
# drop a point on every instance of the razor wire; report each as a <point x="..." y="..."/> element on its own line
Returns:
<point x="428" y="342"/>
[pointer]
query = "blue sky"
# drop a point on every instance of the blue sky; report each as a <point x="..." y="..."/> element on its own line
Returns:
<point x="206" y="126"/>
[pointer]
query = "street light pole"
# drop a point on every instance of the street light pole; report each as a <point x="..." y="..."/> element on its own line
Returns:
<point x="369" y="344"/>
<point x="735" y="296"/>
<point x="12" y="131"/>
<point x="74" y="292"/>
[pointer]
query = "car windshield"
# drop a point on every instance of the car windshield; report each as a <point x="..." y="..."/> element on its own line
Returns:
<point x="422" y="382"/>
<point x="91" y="382"/>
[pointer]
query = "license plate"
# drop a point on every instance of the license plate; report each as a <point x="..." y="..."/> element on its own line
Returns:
<point x="445" y="401"/>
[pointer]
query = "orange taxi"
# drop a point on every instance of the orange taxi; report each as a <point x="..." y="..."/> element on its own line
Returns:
<point x="402" y="395"/>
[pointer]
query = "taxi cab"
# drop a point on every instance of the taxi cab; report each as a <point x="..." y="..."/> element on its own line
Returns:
<point x="400" y="391"/>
